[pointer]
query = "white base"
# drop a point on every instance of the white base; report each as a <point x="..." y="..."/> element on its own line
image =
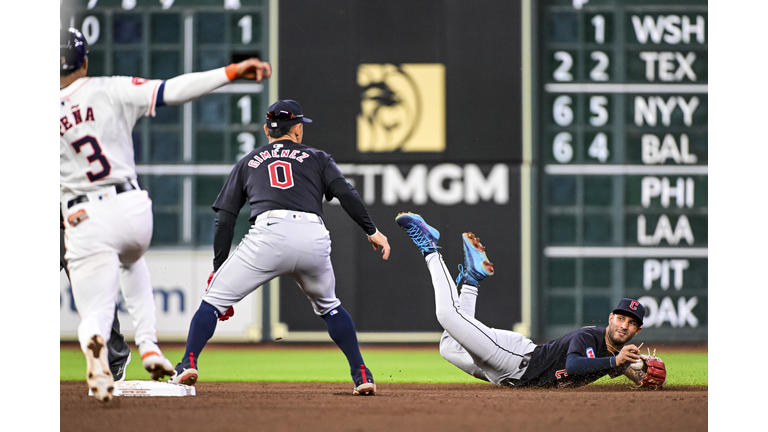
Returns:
<point x="150" y="388"/>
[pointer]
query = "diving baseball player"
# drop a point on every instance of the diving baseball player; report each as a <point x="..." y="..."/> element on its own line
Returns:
<point x="107" y="217"/>
<point x="284" y="184"/>
<point x="506" y="358"/>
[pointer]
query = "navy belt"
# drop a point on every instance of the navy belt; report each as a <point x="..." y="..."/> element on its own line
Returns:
<point x="120" y="188"/>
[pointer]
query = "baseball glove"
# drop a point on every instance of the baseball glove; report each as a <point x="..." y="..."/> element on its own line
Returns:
<point x="655" y="376"/>
<point x="650" y="372"/>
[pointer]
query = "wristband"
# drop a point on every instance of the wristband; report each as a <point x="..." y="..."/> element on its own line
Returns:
<point x="371" y="235"/>
<point x="231" y="71"/>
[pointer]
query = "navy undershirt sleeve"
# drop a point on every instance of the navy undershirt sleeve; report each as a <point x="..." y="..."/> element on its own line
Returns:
<point x="576" y="364"/>
<point x="222" y="237"/>
<point x="351" y="203"/>
<point x="160" y="101"/>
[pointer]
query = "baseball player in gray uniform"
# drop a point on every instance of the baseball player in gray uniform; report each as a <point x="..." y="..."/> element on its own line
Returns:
<point x="107" y="217"/>
<point x="284" y="183"/>
<point x="507" y="358"/>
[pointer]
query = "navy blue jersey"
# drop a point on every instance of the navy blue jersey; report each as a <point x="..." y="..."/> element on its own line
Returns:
<point x="280" y="175"/>
<point x="547" y="365"/>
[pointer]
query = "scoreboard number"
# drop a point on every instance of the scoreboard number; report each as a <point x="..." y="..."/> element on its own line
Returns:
<point x="597" y="106"/>
<point x="598" y="21"/>
<point x="561" y="110"/>
<point x="598" y="72"/>
<point x="561" y="148"/>
<point x="599" y="147"/>
<point x="244" y="103"/>
<point x="563" y="72"/>
<point x="246" y="23"/>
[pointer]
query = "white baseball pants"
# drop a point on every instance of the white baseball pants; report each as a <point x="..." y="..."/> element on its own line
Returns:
<point x="291" y="243"/>
<point x="485" y="353"/>
<point x="105" y="253"/>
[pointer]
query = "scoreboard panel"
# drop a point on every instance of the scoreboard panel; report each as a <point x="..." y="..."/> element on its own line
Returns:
<point x="621" y="133"/>
<point x="184" y="153"/>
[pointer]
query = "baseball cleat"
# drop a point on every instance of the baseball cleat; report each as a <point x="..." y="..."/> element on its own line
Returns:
<point x="186" y="377"/>
<point x="98" y="375"/>
<point x="365" y="389"/>
<point x="422" y="234"/>
<point x="157" y="365"/>
<point x="476" y="265"/>
<point x="119" y="371"/>
<point x="364" y="385"/>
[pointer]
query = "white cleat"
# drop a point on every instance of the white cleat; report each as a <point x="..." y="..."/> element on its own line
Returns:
<point x="156" y="364"/>
<point x="98" y="376"/>
<point x="187" y="377"/>
<point x="365" y="389"/>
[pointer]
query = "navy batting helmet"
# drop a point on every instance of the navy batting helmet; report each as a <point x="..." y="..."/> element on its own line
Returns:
<point x="73" y="49"/>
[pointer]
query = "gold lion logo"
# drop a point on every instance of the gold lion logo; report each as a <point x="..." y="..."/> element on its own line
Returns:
<point x="402" y="107"/>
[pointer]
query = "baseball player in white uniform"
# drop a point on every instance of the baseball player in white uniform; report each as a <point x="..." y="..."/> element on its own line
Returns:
<point x="107" y="217"/>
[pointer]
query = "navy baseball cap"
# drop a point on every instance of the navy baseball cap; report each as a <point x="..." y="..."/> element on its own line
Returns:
<point x="73" y="50"/>
<point x="285" y="113"/>
<point x="632" y="308"/>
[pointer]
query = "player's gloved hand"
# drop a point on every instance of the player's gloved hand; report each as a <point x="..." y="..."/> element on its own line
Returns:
<point x="226" y="315"/>
<point x="655" y="374"/>
<point x="231" y="311"/>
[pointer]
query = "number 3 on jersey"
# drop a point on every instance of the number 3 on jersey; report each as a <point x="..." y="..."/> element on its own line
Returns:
<point x="96" y="156"/>
<point x="280" y="175"/>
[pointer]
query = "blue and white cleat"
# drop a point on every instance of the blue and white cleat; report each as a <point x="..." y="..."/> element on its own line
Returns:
<point x="422" y="234"/>
<point x="476" y="265"/>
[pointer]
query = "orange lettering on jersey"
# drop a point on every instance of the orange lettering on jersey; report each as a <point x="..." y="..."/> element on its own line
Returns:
<point x="64" y="124"/>
<point x="89" y="114"/>
<point x="78" y="117"/>
<point x="139" y="81"/>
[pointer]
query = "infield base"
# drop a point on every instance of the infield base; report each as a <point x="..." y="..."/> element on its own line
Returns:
<point x="150" y="388"/>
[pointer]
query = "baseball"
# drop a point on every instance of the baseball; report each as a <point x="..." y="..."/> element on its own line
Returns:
<point x="637" y="366"/>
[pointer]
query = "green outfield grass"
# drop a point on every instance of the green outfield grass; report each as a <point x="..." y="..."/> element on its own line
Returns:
<point x="329" y="365"/>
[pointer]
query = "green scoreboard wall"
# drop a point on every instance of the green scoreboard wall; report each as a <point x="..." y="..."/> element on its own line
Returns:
<point x="614" y="115"/>
<point x="620" y="133"/>
<point x="184" y="154"/>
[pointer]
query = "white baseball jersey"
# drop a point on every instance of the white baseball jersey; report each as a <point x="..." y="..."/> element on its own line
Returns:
<point x="96" y="120"/>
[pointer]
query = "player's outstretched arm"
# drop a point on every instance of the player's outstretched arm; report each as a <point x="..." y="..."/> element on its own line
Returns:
<point x="188" y="87"/>
<point x="379" y="240"/>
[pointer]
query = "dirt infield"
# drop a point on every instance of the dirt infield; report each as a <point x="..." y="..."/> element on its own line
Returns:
<point x="396" y="407"/>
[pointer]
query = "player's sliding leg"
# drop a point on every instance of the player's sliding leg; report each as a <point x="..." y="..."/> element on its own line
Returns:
<point x="497" y="353"/>
<point x="452" y="350"/>
<point x="140" y="301"/>
<point x="94" y="287"/>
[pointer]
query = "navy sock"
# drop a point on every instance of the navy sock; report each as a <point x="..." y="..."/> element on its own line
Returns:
<point x="200" y="331"/>
<point x="342" y="331"/>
